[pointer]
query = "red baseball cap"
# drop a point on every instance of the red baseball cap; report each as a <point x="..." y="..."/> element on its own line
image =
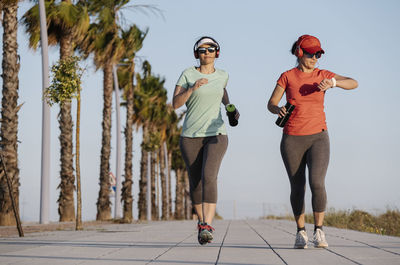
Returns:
<point x="310" y="44"/>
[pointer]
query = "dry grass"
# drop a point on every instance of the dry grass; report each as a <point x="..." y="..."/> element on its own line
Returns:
<point x="387" y="223"/>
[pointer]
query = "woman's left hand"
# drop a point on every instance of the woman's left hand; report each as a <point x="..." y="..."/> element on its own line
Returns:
<point x="325" y="84"/>
<point x="237" y="115"/>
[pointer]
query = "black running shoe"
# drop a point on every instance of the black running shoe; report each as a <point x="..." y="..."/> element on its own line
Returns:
<point x="207" y="233"/>
<point x="200" y="227"/>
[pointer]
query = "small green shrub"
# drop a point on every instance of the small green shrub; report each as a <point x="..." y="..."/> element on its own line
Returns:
<point x="387" y="223"/>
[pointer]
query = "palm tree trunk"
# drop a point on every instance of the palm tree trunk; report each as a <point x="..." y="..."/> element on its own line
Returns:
<point x="158" y="180"/>
<point x="78" y="168"/>
<point x="164" y="209"/>
<point x="103" y="202"/>
<point x="66" y="207"/>
<point x="9" y="113"/>
<point x="127" y="184"/>
<point x="142" y="201"/>
<point x="178" y="195"/>
<point x="154" y="212"/>
<point x="169" y="185"/>
<point x="186" y="193"/>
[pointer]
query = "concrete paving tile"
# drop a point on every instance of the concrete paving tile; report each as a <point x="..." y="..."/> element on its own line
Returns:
<point x="175" y="242"/>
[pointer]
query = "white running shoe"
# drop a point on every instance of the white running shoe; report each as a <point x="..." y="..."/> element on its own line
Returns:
<point x="301" y="239"/>
<point x="319" y="239"/>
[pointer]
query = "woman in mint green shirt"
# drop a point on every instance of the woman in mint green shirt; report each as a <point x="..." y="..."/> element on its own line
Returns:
<point x="203" y="141"/>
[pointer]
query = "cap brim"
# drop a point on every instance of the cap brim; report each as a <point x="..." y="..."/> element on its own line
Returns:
<point x="207" y="41"/>
<point x="312" y="50"/>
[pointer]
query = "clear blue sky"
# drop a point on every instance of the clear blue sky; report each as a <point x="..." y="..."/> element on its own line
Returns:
<point x="360" y="39"/>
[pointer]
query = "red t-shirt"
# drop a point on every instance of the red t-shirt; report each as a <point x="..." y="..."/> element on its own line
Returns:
<point x="302" y="90"/>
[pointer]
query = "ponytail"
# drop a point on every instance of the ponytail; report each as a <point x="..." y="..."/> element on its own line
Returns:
<point x="294" y="46"/>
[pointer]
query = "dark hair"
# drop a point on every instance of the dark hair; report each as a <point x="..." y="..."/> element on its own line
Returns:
<point x="293" y="51"/>
<point x="294" y="46"/>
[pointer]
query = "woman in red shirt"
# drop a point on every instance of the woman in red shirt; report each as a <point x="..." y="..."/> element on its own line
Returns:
<point x="305" y="140"/>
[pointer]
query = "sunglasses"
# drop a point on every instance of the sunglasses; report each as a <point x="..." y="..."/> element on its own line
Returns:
<point x="209" y="49"/>
<point x="317" y="55"/>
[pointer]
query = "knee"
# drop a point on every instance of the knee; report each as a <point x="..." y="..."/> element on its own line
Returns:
<point x="317" y="187"/>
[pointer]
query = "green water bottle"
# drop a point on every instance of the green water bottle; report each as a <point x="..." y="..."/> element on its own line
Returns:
<point x="231" y="112"/>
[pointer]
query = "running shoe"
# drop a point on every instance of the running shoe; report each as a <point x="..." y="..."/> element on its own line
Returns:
<point x="301" y="239"/>
<point x="207" y="233"/>
<point x="319" y="239"/>
<point x="200" y="227"/>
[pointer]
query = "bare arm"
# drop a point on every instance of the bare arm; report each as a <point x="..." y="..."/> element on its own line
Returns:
<point x="345" y="82"/>
<point x="181" y="95"/>
<point x="225" y="101"/>
<point x="341" y="81"/>
<point x="274" y="100"/>
<point x="225" y="98"/>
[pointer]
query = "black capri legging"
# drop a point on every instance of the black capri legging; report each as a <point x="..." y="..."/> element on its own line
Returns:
<point x="203" y="157"/>
<point x="297" y="153"/>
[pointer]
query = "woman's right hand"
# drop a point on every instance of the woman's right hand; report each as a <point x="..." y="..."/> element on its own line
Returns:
<point x="282" y="111"/>
<point x="199" y="83"/>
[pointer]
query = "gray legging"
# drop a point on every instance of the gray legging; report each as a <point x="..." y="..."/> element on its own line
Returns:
<point x="203" y="157"/>
<point x="297" y="153"/>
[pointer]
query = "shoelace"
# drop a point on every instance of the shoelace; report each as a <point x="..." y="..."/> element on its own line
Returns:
<point x="205" y="226"/>
<point x="201" y="226"/>
<point x="209" y="228"/>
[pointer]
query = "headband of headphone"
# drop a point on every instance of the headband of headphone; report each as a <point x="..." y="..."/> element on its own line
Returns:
<point x="195" y="47"/>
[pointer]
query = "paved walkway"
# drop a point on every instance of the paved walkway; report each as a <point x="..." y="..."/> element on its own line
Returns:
<point x="236" y="242"/>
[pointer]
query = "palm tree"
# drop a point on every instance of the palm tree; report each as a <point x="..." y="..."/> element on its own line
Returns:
<point x="66" y="24"/>
<point x="9" y="110"/>
<point x="105" y="42"/>
<point x="163" y="178"/>
<point x="125" y="80"/>
<point x="172" y="142"/>
<point x="154" y="180"/>
<point x="66" y="84"/>
<point x="179" y="188"/>
<point x="133" y="39"/>
<point x="178" y="165"/>
<point x="188" y="201"/>
<point x="167" y="125"/>
<point x="150" y="105"/>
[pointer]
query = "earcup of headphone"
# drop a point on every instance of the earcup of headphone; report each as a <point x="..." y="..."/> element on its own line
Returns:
<point x="196" y="55"/>
<point x="299" y="52"/>
<point x="216" y="53"/>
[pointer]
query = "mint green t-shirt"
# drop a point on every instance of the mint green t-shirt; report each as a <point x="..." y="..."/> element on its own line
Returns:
<point x="203" y="117"/>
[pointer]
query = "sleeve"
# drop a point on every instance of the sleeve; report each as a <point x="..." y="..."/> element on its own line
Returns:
<point x="182" y="81"/>
<point x="282" y="81"/>
<point x="328" y="74"/>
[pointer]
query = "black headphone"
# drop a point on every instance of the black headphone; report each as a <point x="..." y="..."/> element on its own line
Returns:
<point x="195" y="52"/>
